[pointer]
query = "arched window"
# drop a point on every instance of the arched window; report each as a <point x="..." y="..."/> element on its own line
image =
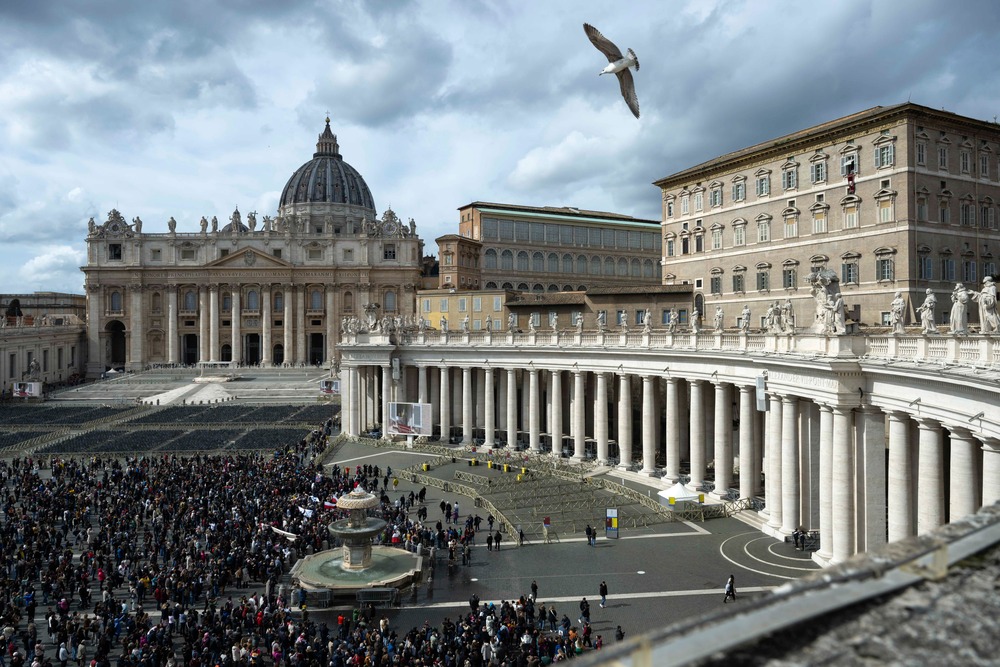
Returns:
<point x="609" y="266"/>
<point x="522" y="261"/>
<point x="116" y="302"/>
<point x="553" y="288"/>
<point x="315" y="300"/>
<point x="553" y="262"/>
<point x="491" y="259"/>
<point x="523" y="287"/>
<point x="537" y="287"/>
<point x="190" y="301"/>
<point x="567" y="263"/>
<point x="538" y="262"/>
<point x="157" y="303"/>
<point x="253" y="300"/>
<point x="279" y="302"/>
<point x="581" y="264"/>
<point x="348" y="302"/>
<point x="389" y="302"/>
<point x="508" y="286"/>
<point x="647" y="268"/>
<point x="227" y="301"/>
<point x="622" y="266"/>
<point x="567" y="288"/>
<point x="595" y="266"/>
<point x="491" y="285"/>
<point x="507" y="260"/>
<point x="636" y="268"/>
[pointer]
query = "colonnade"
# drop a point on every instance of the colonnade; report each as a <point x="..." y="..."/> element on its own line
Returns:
<point x="857" y="473"/>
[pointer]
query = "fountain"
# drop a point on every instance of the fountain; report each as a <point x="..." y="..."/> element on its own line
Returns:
<point x="358" y="565"/>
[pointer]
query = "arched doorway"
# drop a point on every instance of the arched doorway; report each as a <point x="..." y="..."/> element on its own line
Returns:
<point x="315" y="348"/>
<point x="699" y="304"/>
<point x="114" y="348"/>
<point x="189" y="349"/>
<point x="251" y="349"/>
<point x="227" y="352"/>
<point x="278" y="355"/>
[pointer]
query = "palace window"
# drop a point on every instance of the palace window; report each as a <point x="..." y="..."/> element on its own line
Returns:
<point x="763" y="185"/>
<point x="947" y="268"/>
<point x="716" y="284"/>
<point x="717" y="238"/>
<point x="739" y="190"/>
<point x="253" y="300"/>
<point x="389" y="301"/>
<point x="315" y="300"/>
<point x="389" y="251"/>
<point x="739" y="234"/>
<point x="925" y="267"/>
<point x="885" y="155"/>
<point x="789" y="178"/>
<point x="921" y="153"/>
<point x="763" y="231"/>
<point x="884" y="269"/>
<point x="739" y="283"/>
<point x="817" y="172"/>
<point x="763" y="279"/>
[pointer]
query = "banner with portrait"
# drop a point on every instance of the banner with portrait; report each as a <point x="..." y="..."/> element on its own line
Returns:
<point x="410" y="419"/>
<point x="26" y="389"/>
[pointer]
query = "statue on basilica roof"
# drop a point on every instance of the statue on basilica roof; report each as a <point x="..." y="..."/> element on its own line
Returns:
<point x="137" y="224"/>
<point x="204" y="224"/>
<point x="252" y="220"/>
<point x="215" y="224"/>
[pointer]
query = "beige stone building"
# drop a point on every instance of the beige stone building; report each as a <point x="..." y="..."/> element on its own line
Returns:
<point x="271" y="292"/>
<point x="547" y="249"/>
<point x="900" y="198"/>
<point x="483" y="308"/>
<point x="44" y="329"/>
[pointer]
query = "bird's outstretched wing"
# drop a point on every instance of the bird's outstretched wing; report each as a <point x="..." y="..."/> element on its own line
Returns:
<point x="603" y="44"/>
<point x="628" y="91"/>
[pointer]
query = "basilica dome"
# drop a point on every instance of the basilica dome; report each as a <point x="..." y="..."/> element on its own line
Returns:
<point x="327" y="179"/>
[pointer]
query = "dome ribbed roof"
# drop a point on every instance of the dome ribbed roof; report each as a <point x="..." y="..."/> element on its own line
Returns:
<point x="327" y="178"/>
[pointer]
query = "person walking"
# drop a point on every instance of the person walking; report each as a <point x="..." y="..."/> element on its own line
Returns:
<point x="496" y="540"/>
<point x="584" y="611"/>
<point x="534" y="589"/>
<point x="489" y="541"/>
<point x="603" y="590"/>
<point x="730" y="589"/>
<point x="590" y="534"/>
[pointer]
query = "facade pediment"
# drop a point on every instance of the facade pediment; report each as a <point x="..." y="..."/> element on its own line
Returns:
<point x="249" y="257"/>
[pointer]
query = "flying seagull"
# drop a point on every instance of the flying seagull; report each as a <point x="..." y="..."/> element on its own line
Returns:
<point x="619" y="65"/>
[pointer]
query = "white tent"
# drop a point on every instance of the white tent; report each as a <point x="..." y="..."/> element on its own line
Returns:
<point x="677" y="492"/>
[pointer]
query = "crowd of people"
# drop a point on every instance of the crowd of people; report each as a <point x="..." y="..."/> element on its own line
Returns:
<point x="175" y="562"/>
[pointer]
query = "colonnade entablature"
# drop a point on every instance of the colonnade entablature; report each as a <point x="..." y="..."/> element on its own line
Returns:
<point x="864" y="438"/>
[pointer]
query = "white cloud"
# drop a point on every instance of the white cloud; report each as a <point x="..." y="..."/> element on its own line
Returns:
<point x="54" y="268"/>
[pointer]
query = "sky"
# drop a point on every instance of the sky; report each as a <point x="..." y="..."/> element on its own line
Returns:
<point x="190" y="108"/>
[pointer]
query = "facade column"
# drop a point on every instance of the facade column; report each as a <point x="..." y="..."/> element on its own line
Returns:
<point x="930" y="477"/>
<point x="445" y="405"/>
<point x="213" y="336"/>
<point x="386" y="397"/>
<point x="556" y="401"/>
<point x="843" y="486"/>
<point x="991" y="471"/>
<point x="286" y="324"/>
<point x="649" y="423"/>
<point x="964" y="481"/>
<point x="579" y="417"/>
<point x="624" y="421"/>
<point x="512" y="408"/>
<point x="825" y="552"/>
<point x="204" y="315"/>
<point x="300" y="326"/>
<point x="723" y="440"/>
<point x="236" y="319"/>
<point x="95" y="350"/>
<point x="697" y="433"/>
<point x="871" y="478"/>
<point x="138" y="327"/>
<point x="772" y="485"/>
<point x="331" y="325"/>
<point x="900" y="500"/>
<point x="172" y="341"/>
<point x="747" y="466"/>
<point x="534" y="427"/>
<point x="468" y="420"/>
<point x="601" y="419"/>
<point x="265" y="324"/>
<point x="348" y="404"/>
<point x="421" y="384"/>
<point x="673" y="444"/>
<point x="489" y="420"/>
<point x="790" y="480"/>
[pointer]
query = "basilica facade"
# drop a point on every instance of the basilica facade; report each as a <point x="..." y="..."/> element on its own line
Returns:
<point x="246" y="291"/>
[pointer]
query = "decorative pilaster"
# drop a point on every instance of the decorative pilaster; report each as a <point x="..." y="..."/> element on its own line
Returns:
<point x="288" y="357"/>
<point x="237" y="316"/>
<point x="172" y="340"/>
<point x="300" y="325"/>
<point x="213" y="336"/>
<point x="265" y="325"/>
<point x="204" y="317"/>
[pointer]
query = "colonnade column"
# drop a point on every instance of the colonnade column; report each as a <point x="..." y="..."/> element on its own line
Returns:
<point x="579" y="417"/>
<point x="843" y="486"/>
<point x="747" y="465"/>
<point x="468" y="420"/>
<point x="965" y="485"/>
<point x="601" y="419"/>
<point x="772" y="486"/>
<point x="556" y="425"/>
<point x="723" y="440"/>
<point x="237" y="316"/>
<point x="649" y="422"/>
<point x="790" y="480"/>
<point x="286" y="325"/>
<point x="265" y="323"/>
<point x="534" y="428"/>
<point x="348" y="404"/>
<point x="445" y="405"/>
<point x="930" y="477"/>
<point x="825" y="551"/>
<point x="172" y="325"/>
<point x="511" y="408"/>
<point x="204" y="315"/>
<point x="488" y="409"/>
<point x="300" y="326"/>
<point x="673" y="436"/>
<point x="386" y="396"/>
<point x="213" y="336"/>
<point x="624" y="421"/>
<point x="900" y="496"/>
<point x="421" y="384"/>
<point x="991" y="471"/>
<point x="697" y="433"/>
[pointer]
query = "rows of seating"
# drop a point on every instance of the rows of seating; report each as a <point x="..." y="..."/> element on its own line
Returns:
<point x="12" y="438"/>
<point x="202" y="440"/>
<point x="269" y="438"/>
<point x="111" y="442"/>
<point x="30" y="415"/>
